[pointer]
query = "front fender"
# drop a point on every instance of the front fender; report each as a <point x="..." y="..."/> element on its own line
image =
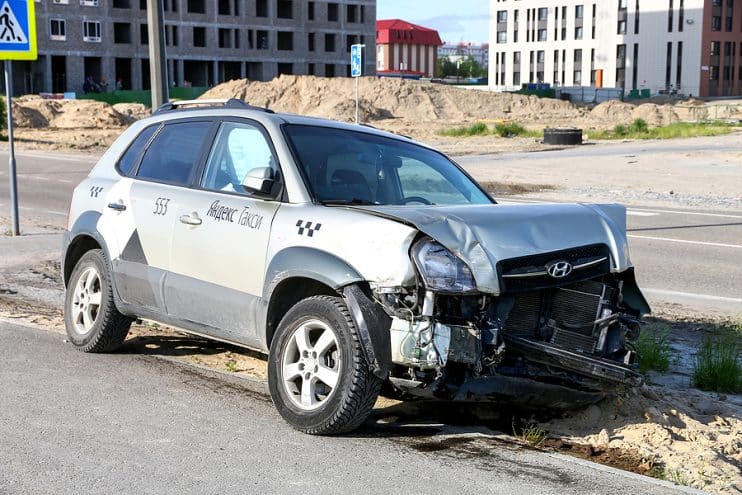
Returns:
<point x="310" y="263"/>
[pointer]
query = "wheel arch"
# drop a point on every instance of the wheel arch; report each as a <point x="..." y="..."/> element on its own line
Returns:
<point x="297" y="273"/>
<point x="81" y="238"/>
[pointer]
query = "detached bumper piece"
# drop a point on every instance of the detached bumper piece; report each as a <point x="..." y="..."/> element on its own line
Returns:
<point x="602" y="369"/>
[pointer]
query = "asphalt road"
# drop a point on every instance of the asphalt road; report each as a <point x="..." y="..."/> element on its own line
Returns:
<point x="688" y="256"/>
<point x="131" y="423"/>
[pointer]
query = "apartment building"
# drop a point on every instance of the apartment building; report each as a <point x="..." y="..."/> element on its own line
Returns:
<point x="207" y="41"/>
<point x="692" y="47"/>
<point x="403" y="48"/>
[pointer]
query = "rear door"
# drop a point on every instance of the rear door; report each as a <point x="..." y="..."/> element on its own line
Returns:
<point x="168" y="166"/>
<point x="221" y="235"/>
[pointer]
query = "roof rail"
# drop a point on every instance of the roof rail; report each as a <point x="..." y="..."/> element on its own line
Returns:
<point x="224" y="102"/>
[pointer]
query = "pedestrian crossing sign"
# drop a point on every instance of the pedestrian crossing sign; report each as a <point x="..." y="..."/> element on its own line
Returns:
<point x="17" y="30"/>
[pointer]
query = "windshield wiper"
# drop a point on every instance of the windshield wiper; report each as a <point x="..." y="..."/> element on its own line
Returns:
<point x="354" y="201"/>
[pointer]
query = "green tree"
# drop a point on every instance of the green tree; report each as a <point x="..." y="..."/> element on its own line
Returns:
<point x="464" y="67"/>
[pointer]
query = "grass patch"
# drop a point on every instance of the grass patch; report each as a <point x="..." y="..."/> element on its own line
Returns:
<point x="717" y="365"/>
<point x="478" y="129"/>
<point x="502" y="129"/>
<point x="532" y="434"/>
<point x="639" y="129"/>
<point x="653" y="350"/>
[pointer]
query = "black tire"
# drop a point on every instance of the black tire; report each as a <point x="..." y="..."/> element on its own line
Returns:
<point x="109" y="328"/>
<point x="357" y="389"/>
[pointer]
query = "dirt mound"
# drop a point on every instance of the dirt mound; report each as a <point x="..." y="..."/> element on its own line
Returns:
<point x="614" y="111"/>
<point x="384" y="98"/>
<point x="655" y="115"/>
<point x="135" y="110"/>
<point x="36" y="112"/>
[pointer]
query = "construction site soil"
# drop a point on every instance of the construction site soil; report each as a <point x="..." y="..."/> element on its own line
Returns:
<point x="412" y="108"/>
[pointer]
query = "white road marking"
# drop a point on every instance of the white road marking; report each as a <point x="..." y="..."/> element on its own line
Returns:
<point x="51" y="212"/>
<point x="705" y="297"/>
<point x="635" y="213"/>
<point x="684" y="241"/>
<point x="696" y="213"/>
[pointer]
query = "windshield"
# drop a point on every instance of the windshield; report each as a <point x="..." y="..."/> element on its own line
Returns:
<point x="349" y="167"/>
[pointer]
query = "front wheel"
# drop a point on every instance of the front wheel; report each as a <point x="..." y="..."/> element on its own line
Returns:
<point x="93" y="323"/>
<point x="318" y="375"/>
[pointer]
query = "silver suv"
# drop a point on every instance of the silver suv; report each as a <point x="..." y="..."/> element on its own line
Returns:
<point x="359" y="260"/>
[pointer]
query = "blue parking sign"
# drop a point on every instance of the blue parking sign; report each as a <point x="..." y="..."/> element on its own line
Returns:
<point x="356" y="60"/>
<point x="17" y="30"/>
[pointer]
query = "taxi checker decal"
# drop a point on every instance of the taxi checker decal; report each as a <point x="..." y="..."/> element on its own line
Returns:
<point x="221" y="213"/>
<point x="308" y="227"/>
<point x="95" y="191"/>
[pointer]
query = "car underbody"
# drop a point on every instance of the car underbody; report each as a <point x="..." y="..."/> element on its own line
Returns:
<point x="543" y="342"/>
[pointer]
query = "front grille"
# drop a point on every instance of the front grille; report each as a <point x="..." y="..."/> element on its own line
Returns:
<point x="562" y="316"/>
<point x="516" y="274"/>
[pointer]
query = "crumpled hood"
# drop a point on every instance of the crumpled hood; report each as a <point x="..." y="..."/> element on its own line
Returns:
<point x="482" y="235"/>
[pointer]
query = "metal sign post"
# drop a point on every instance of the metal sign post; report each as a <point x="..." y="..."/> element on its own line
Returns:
<point x="157" y="58"/>
<point x="17" y="42"/>
<point x="356" y="71"/>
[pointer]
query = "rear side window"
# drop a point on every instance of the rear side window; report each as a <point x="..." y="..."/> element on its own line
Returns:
<point x="175" y="153"/>
<point x="128" y="162"/>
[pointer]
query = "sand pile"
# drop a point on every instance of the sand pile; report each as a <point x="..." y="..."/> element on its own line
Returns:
<point x="385" y="98"/>
<point x="36" y="112"/>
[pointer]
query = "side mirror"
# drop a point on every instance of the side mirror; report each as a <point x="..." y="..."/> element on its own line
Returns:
<point x="259" y="180"/>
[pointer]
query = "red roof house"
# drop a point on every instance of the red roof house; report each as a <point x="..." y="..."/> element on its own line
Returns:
<point x="403" y="48"/>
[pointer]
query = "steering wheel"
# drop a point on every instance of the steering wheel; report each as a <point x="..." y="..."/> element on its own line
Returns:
<point x="416" y="199"/>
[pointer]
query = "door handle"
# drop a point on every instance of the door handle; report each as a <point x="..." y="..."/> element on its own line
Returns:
<point x="117" y="206"/>
<point x="190" y="219"/>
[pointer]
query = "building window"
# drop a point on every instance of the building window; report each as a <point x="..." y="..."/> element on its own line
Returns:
<point x="578" y="33"/>
<point x="540" y="57"/>
<point x="121" y="4"/>
<point x="122" y="33"/>
<point x="196" y="6"/>
<point x="329" y="42"/>
<point x="351" y="13"/>
<point x="637" y="17"/>
<point x="679" y="68"/>
<point x="285" y="41"/>
<point x="332" y="12"/>
<point x="681" y="15"/>
<point x="716" y="23"/>
<point x="310" y="14"/>
<point x="285" y="9"/>
<point x="635" y="67"/>
<point x="543" y="14"/>
<point x="715" y="48"/>
<point x="91" y="31"/>
<point x="502" y="16"/>
<point x="542" y="34"/>
<point x="57" y="29"/>
<point x="668" y="66"/>
<point x="261" y="8"/>
<point x="143" y="34"/>
<point x="622" y="5"/>
<point x="262" y="40"/>
<point x="621" y="27"/>
<point x="310" y="42"/>
<point x="199" y="36"/>
<point x="225" y="38"/>
<point x="502" y="36"/>
<point x="329" y="70"/>
<point x="669" y="17"/>
<point x="579" y="11"/>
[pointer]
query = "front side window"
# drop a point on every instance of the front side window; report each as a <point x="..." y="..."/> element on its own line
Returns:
<point x="349" y="167"/>
<point x="238" y="149"/>
<point x="175" y="153"/>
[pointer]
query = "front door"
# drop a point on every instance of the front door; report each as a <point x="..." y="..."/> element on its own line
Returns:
<point x="221" y="237"/>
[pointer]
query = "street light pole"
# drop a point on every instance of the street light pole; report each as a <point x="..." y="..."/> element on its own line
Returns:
<point x="157" y="57"/>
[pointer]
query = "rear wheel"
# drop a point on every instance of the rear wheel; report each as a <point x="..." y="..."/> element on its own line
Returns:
<point x="318" y="375"/>
<point x="93" y="323"/>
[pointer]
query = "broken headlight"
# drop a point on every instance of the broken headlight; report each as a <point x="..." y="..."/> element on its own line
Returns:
<point x="440" y="269"/>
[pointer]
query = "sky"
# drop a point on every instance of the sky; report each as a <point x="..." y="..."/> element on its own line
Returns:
<point x="455" y="20"/>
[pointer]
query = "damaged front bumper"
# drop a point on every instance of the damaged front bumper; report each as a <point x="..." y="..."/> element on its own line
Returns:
<point x="555" y="347"/>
